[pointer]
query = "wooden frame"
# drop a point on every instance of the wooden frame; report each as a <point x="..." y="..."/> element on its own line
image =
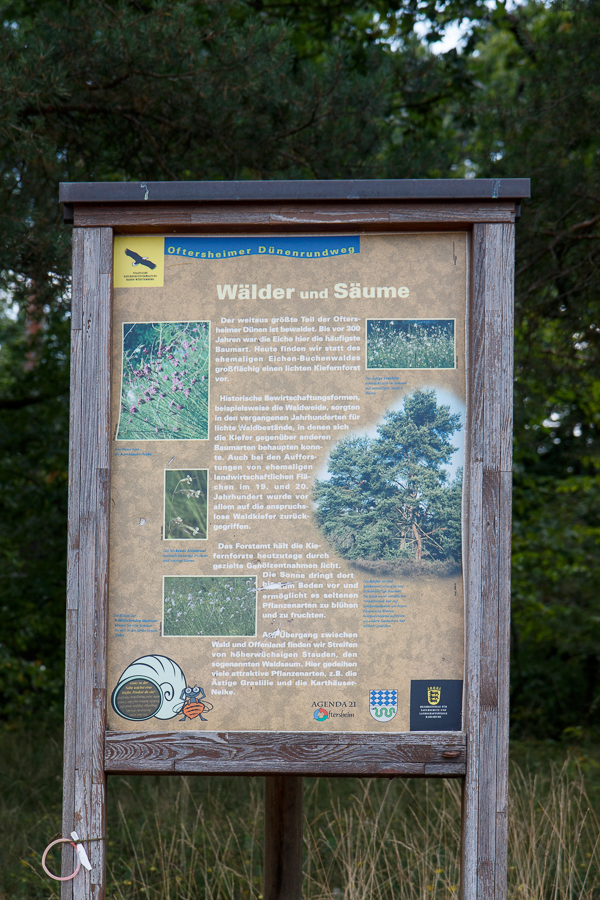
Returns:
<point x="487" y="210"/>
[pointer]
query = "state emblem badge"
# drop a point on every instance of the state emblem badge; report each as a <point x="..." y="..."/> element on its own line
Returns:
<point x="434" y="695"/>
<point x="383" y="705"/>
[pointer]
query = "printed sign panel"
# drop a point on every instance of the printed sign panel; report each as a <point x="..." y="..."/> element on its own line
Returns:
<point x="288" y="420"/>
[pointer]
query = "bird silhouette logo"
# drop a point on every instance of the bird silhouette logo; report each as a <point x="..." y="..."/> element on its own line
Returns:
<point x="139" y="260"/>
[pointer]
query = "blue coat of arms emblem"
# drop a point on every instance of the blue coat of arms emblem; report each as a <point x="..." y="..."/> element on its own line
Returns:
<point x="383" y="705"/>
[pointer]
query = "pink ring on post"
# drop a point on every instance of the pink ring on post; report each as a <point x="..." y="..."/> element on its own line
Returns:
<point x="48" y="872"/>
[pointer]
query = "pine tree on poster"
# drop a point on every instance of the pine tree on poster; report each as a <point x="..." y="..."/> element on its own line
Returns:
<point x="390" y="497"/>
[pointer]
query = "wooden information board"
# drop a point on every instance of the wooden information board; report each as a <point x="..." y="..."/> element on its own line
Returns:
<point x="290" y="494"/>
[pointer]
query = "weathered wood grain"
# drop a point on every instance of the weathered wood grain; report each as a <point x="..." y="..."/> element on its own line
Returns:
<point x="472" y="529"/>
<point x="487" y="563"/>
<point x="69" y="760"/>
<point x="282" y="875"/>
<point x="488" y="734"/>
<point x="504" y="557"/>
<point x="504" y="554"/>
<point x="458" y="213"/>
<point x="298" y="753"/>
<point x="84" y="806"/>
<point x="494" y="287"/>
<point x="77" y="280"/>
<point x="507" y="276"/>
<point x="504" y="236"/>
<point x="341" y="215"/>
<point x="384" y="213"/>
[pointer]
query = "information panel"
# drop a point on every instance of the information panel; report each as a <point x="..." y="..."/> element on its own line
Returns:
<point x="288" y="419"/>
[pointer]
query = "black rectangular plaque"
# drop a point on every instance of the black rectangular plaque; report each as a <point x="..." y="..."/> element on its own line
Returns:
<point x="436" y="705"/>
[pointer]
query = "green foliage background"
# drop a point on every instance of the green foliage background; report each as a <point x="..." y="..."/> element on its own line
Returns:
<point x="263" y="89"/>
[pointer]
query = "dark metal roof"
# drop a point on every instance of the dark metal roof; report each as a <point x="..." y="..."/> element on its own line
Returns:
<point x="384" y="189"/>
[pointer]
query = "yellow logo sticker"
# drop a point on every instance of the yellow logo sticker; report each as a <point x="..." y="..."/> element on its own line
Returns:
<point x="139" y="261"/>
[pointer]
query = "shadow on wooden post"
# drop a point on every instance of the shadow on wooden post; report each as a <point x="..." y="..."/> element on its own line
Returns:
<point x="283" y="838"/>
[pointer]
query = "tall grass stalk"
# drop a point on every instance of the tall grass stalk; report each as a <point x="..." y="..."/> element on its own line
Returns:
<point x="186" y="504"/>
<point x="219" y="605"/>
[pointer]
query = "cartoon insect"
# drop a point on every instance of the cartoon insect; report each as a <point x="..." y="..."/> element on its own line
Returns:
<point x="194" y="703"/>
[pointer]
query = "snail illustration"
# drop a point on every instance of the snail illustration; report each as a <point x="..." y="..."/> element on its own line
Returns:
<point x="156" y="687"/>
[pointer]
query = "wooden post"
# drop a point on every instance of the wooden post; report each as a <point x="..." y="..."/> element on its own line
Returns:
<point x="487" y="563"/>
<point x="84" y="794"/>
<point x="283" y="838"/>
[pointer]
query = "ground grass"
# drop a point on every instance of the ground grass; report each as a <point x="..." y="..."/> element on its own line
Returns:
<point x="441" y="568"/>
<point x="180" y="838"/>
<point x="410" y="344"/>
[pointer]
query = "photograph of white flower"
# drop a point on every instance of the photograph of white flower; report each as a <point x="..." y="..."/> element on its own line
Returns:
<point x="410" y="344"/>
<point x="209" y="606"/>
<point x="186" y="504"/>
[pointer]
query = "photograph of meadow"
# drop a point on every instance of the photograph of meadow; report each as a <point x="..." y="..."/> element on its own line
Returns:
<point x="209" y="606"/>
<point x="410" y="344"/>
<point x="164" y="386"/>
<point x="186" y="504"/>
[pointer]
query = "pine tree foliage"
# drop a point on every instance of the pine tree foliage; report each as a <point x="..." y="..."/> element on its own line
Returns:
<point x="390" y="497"/>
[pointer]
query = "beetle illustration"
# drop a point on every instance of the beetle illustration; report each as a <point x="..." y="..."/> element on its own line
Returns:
<point x="194" y="703"/>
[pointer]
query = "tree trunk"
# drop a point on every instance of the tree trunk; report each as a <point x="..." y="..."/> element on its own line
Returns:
<point x="418" y="540"/>
<point x="33" y="326"/>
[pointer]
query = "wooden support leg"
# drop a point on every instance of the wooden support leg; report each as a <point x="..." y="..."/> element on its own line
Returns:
<point x="84" y="797"/>
<point x="488" y="496"/>
<point x="283" y="838"/>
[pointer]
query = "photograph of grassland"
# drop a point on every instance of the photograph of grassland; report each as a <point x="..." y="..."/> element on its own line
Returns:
<point x="164" y="393"/>
<point x="186" y="496"/>
<point x="410" y="344"/>
<point x="209" y="606"/>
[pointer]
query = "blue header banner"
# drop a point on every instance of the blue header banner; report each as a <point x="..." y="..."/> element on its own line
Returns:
<point x="305" y="247"/>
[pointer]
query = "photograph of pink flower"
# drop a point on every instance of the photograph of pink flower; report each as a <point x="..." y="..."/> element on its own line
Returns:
<point x="165" y="381"/>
